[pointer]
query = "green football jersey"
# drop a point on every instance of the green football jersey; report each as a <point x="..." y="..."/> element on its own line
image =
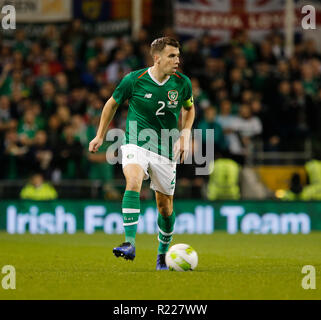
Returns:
<point x="154" y="109"/>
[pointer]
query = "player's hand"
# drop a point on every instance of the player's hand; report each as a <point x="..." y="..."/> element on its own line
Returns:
<point x="95" y="144"/>
<point x="181" y="147"/>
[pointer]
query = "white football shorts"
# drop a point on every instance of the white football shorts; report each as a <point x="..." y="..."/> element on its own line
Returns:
<point x="160" y="170"/>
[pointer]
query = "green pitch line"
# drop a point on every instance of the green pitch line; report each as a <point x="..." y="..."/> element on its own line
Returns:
<point x="230" y="267"/>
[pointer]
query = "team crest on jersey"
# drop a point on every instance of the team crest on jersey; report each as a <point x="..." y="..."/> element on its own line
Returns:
<point x="173" y="95"/>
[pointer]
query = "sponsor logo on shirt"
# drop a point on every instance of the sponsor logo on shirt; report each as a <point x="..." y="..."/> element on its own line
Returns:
<point x="148" y="95"/>
<point x="172" y="104"/>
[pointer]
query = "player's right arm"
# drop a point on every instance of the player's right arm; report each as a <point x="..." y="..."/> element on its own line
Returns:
<point x="121" y="93"/>
<point x="105" y="119"/>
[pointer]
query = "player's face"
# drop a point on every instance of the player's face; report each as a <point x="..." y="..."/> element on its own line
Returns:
<point x="169" y="60"/>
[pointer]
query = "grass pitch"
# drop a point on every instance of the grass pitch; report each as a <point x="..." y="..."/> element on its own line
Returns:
<point x="237" y="266"/>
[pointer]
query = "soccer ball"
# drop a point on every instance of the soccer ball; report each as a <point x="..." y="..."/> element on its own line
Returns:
<point x="181" y="257"/>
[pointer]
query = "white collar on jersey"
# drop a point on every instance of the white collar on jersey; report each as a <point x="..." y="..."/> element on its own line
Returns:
<point x="159" y="83"/>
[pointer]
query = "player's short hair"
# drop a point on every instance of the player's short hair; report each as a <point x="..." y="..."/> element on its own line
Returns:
<point x="159" y="44"/>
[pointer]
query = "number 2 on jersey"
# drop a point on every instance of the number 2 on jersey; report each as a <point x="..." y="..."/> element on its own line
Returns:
<point x="159" y="112"/>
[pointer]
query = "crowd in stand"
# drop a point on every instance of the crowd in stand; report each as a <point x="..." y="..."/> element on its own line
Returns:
<point x="53" y="89"/>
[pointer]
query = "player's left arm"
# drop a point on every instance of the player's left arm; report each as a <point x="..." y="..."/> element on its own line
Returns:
<point x="188" y="114"/>
<point x="181" y="147"/>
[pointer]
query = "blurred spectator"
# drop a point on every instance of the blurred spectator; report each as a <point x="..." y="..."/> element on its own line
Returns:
<point x="38" y="189"/>
<point x="28" y="127"/>
<point x="42" y="74"/>
<point x="35" y="56"/>
<point x="89" y="76"/>
<point x="69" y="155"/>
<point x="302" y="108"/>
<point x="224" y="180"/>
<point x="72" y="73"/>
<point x="236" y="85"/>
<point x="50" y="56"/>
<point x="257" y="108"/>
<point x="262" y="81"/>
<point x="47" y="99"/>
<point x="77" y="102"/>
<point x="61" y="82"/>
<point x="76" y="35"/>
<point x="4" y="76"/>
<point x="6" y="54"/>
<point x="221" y="95"/>
<point x="247" y="72"/>
<point x="54" y="130"/>
<point x="63" y="114"/>
<point x="207" y="49"/>
<point x="40" y="155"/>
<point x="61" y="100"/>
<point x="9" y="84"/>
<point x="12" y="155"/>
<point x="226" y="120"/>
<point x="20" y="44"/>
<point x="247" y="96"/>
<point x="295" y="71"/>
<point x="313" y="190"/>
<point x="210" y="122"/>
<point x="310" y="50"/>
<point x="309" y="81"/>
<point x="244" y="128"/>
<point x="277" y="44"/>
<point x="79" y="128"/>
<point x="192" y="58"/>
<point x="6" y="117"/>
<point x="131" y="60"/>
<point x="315" y="125"/>
<point x="225" y="117"/>
<point x="51" y="38"/>
<point x="117" y="68"/>
<point x="94" y="107"/>
<point x="282" y="72"/>
<point x="278" y="126"/>
<point x="213" y="76"/>
<point x="266" y="53"/>
<point x="201" y="100"/>
<point x="241" y="40"/>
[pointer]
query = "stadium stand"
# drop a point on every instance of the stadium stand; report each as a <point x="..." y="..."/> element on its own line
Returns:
<point x="264" y="107"/>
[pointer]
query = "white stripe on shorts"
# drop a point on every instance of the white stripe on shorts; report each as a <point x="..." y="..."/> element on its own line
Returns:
<point x="129" y="210"/>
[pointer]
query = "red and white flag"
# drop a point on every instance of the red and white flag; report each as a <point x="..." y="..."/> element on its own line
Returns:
<point x="220" y="18"/>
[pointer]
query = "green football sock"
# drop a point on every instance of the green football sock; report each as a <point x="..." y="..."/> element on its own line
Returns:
<point x="165" y="235"/>
<point x="131" y="210"/>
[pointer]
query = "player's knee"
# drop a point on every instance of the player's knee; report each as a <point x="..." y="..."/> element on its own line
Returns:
<point x="165" y="209"/>
<point x="133" y="184"/>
